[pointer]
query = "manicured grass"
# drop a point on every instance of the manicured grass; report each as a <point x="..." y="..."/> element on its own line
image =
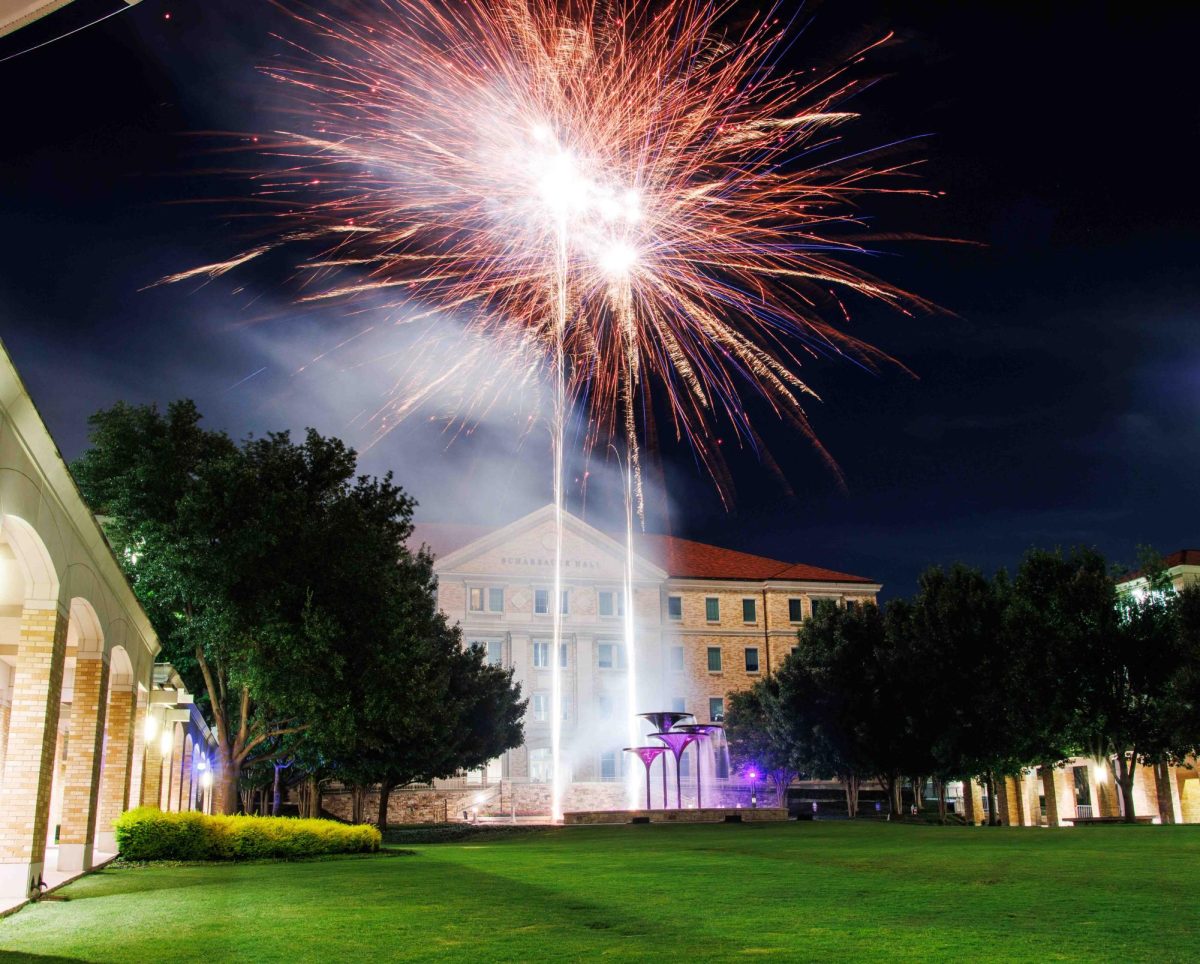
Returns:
<point x="831" y="891"/>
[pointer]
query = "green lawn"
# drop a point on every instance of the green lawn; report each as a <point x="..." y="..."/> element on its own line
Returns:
<point x="658" y="893"/>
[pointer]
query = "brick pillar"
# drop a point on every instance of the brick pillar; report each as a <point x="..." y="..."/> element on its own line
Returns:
<point x="1017" y="804"/>
<point x="1168" y="793"/>
<point x="175" y="768"/>
<point x="152" y="767"/>
<point x="116" y="775"/>
<point x="137" y="763"/>
<point x="29" y="761"/>
<point x="185" y="793"/>
<point x="1106" y="792"/>
<point x="973" y="801"/>
<point x="81" y="790"/>
<point x="5" y="709"/>
<point x="1050" y="793"/>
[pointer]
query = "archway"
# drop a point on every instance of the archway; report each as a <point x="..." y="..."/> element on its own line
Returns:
<point x="33" y="637"/>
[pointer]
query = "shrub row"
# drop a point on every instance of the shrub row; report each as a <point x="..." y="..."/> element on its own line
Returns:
<point x="147" y="833"/>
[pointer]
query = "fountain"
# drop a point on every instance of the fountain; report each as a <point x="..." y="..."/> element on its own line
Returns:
<point x="676" y="735"/>
<point x="648" y="754"/>
<point x="702" y="731"/>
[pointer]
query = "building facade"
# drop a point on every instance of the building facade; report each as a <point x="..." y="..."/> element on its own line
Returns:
<point x="706" y="622"/>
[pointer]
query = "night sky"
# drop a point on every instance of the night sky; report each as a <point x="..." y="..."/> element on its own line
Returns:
<point x="1055" y="400"/>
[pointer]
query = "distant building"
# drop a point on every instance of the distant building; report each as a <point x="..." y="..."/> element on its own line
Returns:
<point x="707" y="621"/>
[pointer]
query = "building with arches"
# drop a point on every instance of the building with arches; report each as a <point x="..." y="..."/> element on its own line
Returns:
<point x="89" y="724"/>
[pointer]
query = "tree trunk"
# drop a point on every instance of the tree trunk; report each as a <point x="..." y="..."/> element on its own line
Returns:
<point x="993" y="804"/>
<point x="850" y="785"/>
<point x="275" y="799"/>
<point x="314" y="798"/>
<point x="939" y="786"/>
<point x="1125" y="771"/>
<point x="225" y="782"/>
<point x="357" y="793"/>
<point x="385" y="792"/>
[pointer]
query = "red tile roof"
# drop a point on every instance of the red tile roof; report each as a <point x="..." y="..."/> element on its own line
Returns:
<point x="681" y="558"/>
<point x="1181" y="557"/>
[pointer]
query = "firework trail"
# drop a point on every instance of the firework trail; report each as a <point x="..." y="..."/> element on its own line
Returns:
<point x="624" y="196"/>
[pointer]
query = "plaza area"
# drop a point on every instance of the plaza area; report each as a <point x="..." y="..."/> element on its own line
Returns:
<point x="795" y="891"/>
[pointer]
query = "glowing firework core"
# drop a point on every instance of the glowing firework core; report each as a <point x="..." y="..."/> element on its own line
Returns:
<point x="596" y="220"/>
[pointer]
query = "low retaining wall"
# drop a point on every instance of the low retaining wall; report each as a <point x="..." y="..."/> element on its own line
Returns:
<point x="587" y="818"/>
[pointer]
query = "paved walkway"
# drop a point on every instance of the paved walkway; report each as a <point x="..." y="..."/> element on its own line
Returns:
<point x="54" y="878"/>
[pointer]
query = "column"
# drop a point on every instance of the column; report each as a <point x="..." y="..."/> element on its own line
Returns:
<point x="973" y="800"/>
<point x="5" y="708"/>
<point x="1168" y="793"/>
<point x="185" y="787"/>
<point x="174" y="797"/>
<point x="1047" y="774"/>
<point x="117" y="773"/>
<point x="1106" y="791"/>
<point x="29" y="760"/>
<point x="152" y="764"/>
<point x="137" y="762"/>
<point x="81" y="791"/>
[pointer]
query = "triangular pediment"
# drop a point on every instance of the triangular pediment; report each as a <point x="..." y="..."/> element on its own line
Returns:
<point x="525" y="549"/>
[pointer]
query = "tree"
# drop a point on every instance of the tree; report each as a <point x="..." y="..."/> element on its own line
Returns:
<point x="457" y="711"/>
<point x="836" y="700"/>
<point x="255" y="563"/>
<point x="1138" y="687"/>
<point x="758" y="742"/>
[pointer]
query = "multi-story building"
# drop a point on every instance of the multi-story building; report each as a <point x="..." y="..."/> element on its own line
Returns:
<point x="707" y="621"/>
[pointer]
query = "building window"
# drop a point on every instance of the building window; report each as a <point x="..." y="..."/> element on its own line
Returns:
<point x="795" y="610"/>
<point x="562" y="655"/>
<point x="563" y="608"/>
<point x="541" y="602"/>
<point x="795" y="650"/>
<point x="495" y="600"/>
<point x="751" y="659"/>
<point x="604" y="706"/>
<point x="609" y="656"/>
<point x="823" y="605"/>
<point x="541" y="765"/>
<point x="540" y="707"/>
<point x="675" y="607"/>
<point x="612" y="603"/>
<point x="852" y="604"/>
<point x="541" y="655"/>
<point x="712" y="609"/>
<point x="566" y="707"/>
<point x="677" y="659"/>
<point x="476" y="601"/>
<point x="608" y="767"/>
<point x="678" y="704"/>
<point x="749" y="614"/>
<point x="716" y="709"/>
<point x="714" y="659"/>
<point x="495" y="652"/>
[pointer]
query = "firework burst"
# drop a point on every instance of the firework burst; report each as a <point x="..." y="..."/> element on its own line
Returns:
<point x="626" y="195"/>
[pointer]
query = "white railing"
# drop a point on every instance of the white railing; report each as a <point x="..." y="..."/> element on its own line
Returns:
<point x="1083" y="810"/>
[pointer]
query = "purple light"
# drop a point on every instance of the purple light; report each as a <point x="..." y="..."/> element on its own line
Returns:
<point x="753" y="774"/>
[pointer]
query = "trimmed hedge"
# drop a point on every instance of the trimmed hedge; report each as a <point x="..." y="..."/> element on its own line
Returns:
<point x="147" y="833"/>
